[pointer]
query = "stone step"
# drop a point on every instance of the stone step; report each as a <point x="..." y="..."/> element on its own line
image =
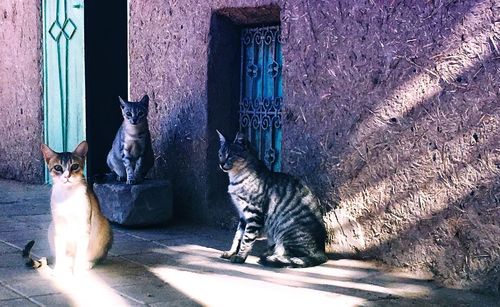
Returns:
<point x="145" y="204"/>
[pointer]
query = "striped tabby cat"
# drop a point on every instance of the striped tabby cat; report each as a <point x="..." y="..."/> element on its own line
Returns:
<point x="275" y="204"/>
<point x="79" y="235"/>
<point x="131" y="155"/>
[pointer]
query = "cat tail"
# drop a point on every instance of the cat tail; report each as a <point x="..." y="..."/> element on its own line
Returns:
<point x="30" y="262"/>
<point x="280" y="261"/>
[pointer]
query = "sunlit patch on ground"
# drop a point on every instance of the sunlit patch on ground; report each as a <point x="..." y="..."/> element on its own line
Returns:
<point x="84" y="289"/>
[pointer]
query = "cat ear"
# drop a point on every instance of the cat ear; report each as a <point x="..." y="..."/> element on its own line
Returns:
<point x="81" y="149"/>
<point x="222" y="139"/>
<point x="145" y="100"/>
<point x="47" y="152"/>
<point x="122" y="102"/>
<point x="240" y="138"/>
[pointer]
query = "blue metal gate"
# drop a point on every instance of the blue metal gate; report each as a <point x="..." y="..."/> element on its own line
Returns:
<point x="261" y="96"/>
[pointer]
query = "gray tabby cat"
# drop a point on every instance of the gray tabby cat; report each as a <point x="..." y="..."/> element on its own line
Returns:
<point x="275" y="204"/>
<point x="131" y="155"/>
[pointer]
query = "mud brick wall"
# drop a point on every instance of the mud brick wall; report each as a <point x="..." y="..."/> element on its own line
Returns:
<point x="20" y="90"/>
<point x="391" y="115"/>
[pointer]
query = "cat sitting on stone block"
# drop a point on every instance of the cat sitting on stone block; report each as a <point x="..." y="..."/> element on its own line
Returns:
<point x="131" y="155"/>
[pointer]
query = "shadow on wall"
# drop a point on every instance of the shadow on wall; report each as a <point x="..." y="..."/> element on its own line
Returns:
<point x="456" y="243"/>
<point x="429" y="160"/>
<point x="172" y="162"/>
<point x="223" y="93"/>
<point x="417" y="138"/>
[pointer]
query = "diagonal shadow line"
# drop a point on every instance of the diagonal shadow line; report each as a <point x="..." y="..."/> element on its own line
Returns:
<point x="458" y="242"/>
<point x="436" y="17"/>
<point x="445" y="16"/>
<point x="481" y="147"/>
<point x="403" y="129"/>
<point x="491" y="108"/>
<point x="458" y="206"/>
<point x="391" y="203"/>
<point x="474" y="7"/>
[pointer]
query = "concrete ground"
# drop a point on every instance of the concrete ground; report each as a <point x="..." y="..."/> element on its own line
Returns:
<point x="180" y="266"/>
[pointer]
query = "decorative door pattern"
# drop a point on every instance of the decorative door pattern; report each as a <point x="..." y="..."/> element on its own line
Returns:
<point x="63" y="74"/>
<point x="261" y="96"/>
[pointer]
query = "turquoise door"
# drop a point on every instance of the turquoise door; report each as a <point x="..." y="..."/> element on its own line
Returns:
<point x="261" y="96"/>
<point x="63" y="74"/>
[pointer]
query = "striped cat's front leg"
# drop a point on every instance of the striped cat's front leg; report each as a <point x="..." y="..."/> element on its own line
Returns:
<point x="251" y="233"/>
<point x="138" y="171"/>
<point x="129" y="166"/>
<point x="236" y="241"/>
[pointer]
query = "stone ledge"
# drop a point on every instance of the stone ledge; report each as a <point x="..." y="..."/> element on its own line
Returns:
<point x="144" y="204"/>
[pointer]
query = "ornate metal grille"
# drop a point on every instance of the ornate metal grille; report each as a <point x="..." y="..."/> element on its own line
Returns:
<point x="261" y="94"/>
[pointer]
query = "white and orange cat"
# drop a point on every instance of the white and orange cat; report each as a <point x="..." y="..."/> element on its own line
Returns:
<point x="79" y="235"/>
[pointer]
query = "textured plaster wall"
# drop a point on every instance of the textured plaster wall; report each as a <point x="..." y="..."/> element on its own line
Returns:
<point x="20" y="90"/>
<point x="407" y="100"/>
<point x="391" y="115"/>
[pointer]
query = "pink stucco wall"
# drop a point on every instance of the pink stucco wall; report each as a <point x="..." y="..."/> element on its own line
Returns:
<point x="20" y="90"/>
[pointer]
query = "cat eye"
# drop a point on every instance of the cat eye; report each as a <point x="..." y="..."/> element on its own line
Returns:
<point x="128" y="114"/>
<point x="141" y="113"/>
<point x="74" y="167"/>
<point x="58" y="168"/>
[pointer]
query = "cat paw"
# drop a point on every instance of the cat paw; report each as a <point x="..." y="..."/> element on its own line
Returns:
<point x="61" y="271"/>
<point x="131" y="181"/>
<point x="83" y="266"/>
<point x="274" y="260"/>
<point x="227" y="255"/>
<point x="237" y="259"/>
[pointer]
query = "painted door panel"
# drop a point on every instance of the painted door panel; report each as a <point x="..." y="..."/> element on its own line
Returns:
<point x="64" y="74"/>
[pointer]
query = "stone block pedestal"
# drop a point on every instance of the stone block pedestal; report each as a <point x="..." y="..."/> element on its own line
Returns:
<point x="144" y="204"/>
